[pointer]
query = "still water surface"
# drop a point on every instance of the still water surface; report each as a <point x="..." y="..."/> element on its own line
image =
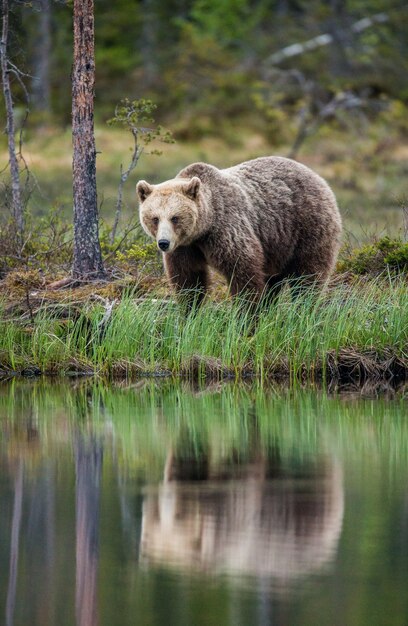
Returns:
<point x="163" y="505"/>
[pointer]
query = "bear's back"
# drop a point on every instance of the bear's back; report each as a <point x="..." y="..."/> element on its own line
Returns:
<point x="263" y="174"/>
<point x="268" y="190"/>
<point x="265" y="171"/>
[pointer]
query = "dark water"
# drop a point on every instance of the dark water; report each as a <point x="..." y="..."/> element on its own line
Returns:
<point x="161" y="505"/>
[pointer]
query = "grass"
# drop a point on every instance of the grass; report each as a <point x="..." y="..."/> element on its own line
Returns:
<point x="355" y="331"/>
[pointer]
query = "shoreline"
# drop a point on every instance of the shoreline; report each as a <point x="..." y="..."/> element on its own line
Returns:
<point x="347" y="367"/>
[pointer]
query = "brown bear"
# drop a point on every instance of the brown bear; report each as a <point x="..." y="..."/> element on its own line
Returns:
<point x="256" y="223"/>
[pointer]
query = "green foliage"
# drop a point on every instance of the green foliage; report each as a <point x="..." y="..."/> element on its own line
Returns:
<point x="129" y="251"/>
<point x="206" y="84"/>
<point x="138" y="255"/>
<point x="375" y="258"/>
<point x="228" y="22"/>
<point x="397" y="258"/>
<point x="141" y="48"/>
<point x="277" y="116"/>
<point x="395" y="116"/>
<point x="48" y="248"/>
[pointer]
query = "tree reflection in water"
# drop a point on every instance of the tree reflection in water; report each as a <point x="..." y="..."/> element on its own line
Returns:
<point x="88" y="466"/>
<point x="238" y="501"/>
<point x="14" y="543"/>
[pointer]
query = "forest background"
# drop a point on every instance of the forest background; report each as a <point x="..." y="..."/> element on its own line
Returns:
<point x="325" y="82"/>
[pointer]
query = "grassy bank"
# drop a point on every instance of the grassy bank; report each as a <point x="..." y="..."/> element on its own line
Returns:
<point x="352" y="332"/>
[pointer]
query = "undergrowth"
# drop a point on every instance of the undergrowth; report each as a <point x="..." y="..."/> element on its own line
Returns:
<point x="382" y="255"/>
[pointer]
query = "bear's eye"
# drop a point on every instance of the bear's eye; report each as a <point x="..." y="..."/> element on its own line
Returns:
<point x="174" y="219"/>
<point x="155" y="220"/>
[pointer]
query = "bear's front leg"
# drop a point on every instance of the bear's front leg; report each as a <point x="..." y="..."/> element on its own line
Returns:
<point x="242" y="262"/>
<point x="186" y="268"/>
<point x="248" y="280"/>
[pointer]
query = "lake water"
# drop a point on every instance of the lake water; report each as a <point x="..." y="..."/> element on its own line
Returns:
<point x="161" y="504"/>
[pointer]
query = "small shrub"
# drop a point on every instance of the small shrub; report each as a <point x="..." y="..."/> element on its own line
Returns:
<point x="397" y="259"/>
<point x="129" y="251"/>
<point x="137" y="255"/>
<point x="374" y="258"/>
<point x="47" y="243"/>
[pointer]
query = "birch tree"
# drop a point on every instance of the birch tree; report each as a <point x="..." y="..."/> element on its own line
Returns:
<point x="16" y="198"/>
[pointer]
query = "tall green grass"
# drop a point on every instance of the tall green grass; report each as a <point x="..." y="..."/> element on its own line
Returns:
<point x="294" y="335"/>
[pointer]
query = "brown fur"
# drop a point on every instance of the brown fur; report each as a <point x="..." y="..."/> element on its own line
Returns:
<point x="253" y="518"/>
<point x="256" y="223"/>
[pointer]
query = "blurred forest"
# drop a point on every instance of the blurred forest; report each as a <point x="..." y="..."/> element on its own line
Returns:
<point x="324" y="81"/>
<point x="208" y="61"/>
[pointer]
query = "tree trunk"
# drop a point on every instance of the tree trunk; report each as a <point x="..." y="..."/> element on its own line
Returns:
<point x="338" y="28"/>
<point x="17" y="205"/>
<point x="88" y="263"/>
<point x="148" y="43"/>
<point x="41" y="80"/>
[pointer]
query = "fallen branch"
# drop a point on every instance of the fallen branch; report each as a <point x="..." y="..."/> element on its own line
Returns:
<point x="325" y="39"/>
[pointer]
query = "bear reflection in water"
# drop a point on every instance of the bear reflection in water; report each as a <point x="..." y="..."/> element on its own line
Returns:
<point x="264" y="517"/>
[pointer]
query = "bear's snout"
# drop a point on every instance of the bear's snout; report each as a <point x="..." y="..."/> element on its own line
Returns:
<point x="164" y="244"/>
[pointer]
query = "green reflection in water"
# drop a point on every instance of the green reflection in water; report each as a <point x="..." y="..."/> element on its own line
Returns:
<point x="161" y="504"/>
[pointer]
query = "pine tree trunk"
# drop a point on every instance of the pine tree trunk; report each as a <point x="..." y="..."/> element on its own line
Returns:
<point x="17" y="204"/>
<point x="87" y="251"/>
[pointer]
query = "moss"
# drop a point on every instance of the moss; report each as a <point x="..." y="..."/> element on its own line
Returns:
<point x="18" y="282"/>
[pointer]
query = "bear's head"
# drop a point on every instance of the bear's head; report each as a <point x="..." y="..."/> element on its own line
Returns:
<point x="169" y="211"/>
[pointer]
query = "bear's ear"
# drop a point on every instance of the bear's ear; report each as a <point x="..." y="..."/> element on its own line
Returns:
<point x="143" y="190"/>
<point x="191" y="190"/>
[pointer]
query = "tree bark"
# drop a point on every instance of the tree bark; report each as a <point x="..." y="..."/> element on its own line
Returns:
<point x="87" y="263"/>
<point x="41" y="79"/>
<point x="17" y="204"/>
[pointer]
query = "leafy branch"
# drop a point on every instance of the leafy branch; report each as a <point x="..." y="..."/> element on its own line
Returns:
<point x="136" y="117"/>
